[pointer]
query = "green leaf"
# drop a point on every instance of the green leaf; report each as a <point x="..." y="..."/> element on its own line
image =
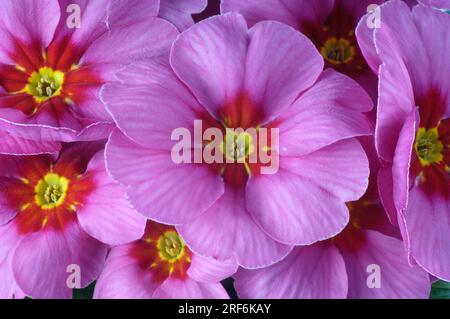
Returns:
<point x="86" y="293"/>
<point x="440" y="290"/>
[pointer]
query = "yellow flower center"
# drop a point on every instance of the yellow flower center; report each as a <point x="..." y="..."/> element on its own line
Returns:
<point x="337" y="51"/>
<point x="170" y="246"/>
<point x="45" y="84"/>
<point x="428" y="146"/>
<point x="237" y="146"/>
<point x="51" y="191"/>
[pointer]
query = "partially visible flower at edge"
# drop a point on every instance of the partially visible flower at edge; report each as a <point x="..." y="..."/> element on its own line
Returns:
<point x="50" y="73"/>
<point x="161" y="266"/>
<point x="366" y="260"/>
<point x="413" y="127"/>
<point x="330" y="24"/>
<point x="58" y="211"/>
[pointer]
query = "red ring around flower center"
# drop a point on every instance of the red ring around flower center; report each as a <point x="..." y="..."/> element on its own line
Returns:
<point x="46" y="196"/>
<point x="246" y="147"/>
<point x="162" y="252"/>
<point x="430" y="166"/>
<point x="45" y="79"/>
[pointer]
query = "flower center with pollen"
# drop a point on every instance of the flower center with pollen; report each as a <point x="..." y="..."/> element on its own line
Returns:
<point x="237" y="146"/>
<point x="337" y="51"/>
<point x="170" y="246"/>
<point x="45" y="84"/>
<point x="428" y="146"/>
<point x="51" y="191"/>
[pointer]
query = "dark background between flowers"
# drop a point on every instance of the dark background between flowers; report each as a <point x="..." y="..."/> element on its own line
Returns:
<point x="440" y="289"/>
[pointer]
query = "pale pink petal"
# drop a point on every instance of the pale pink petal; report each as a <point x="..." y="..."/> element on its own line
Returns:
<point x="335" y="89"/>
<point x="13" y="145"/>
<point x="397" y="278"/>
<point x="402" y="226"/>
<point x="210" y="270"/>
<point x="138" y="41"/>
<point x="278" y="204"/>
<point x="365" y="34"/>
<point x="100" y="16"/>
<point x="145" y="37"/>
<point x="43" y="126"/>
<point x="6" y="211"/>
<point x="151" y="90"/>
<point x="92" y="23"/>
<point x="94" y="132"/>
<point x="31" y="128"/>
<point x="156" y="186"/>
<point x="405" y="70"/>
<point x="394" y="104"/>
<point x="105" y="213"/>
<point x="400" y="30"/>
<point x="385" y="189"/>
<point x="8" y="286"/>
<point x="210" y="59"/>
<point x="341" y="168"/>
<point x="305" y="201"/>
<point x="180" y="12"/>
<point x="9" y="238"/>
<point x="128" y="12"/>
<point x="402" y="160"/>
<point x="430" y="21"/>
<point x="32" y="23"/>
<point x="227" y="230"/>
<point x="41" y="122"/>
<point x="123" y="278"/>
<point x="8" y="172"/>
<point x="311" y="272"/>
<point x="40" y="262"/>
<point x="281" y="63"/>
<point x="330" y="111"/>
<point x="188" y="288"/>
<point x="428" y="223"/>
<point x="192" y="6"/>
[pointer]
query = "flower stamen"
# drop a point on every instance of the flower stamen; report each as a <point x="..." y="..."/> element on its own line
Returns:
<point x="170" y="246"/>
<point x="51" y="191"/>
<point x="428" y="146"/>
<point x="237" y="146"/>
<point x="45" y="84"/>
<point x="338" y="51"/>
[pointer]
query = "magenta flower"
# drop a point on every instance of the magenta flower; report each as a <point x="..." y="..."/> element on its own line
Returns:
<point x="413" y="129"/>
<point x="330" y="24"/>
<point x="228" y="76"/>
<point x="161" y="266"/>
<point x="53" y="63"/>
<point x="55" y="214"/>
<point x="347" y="265"/>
